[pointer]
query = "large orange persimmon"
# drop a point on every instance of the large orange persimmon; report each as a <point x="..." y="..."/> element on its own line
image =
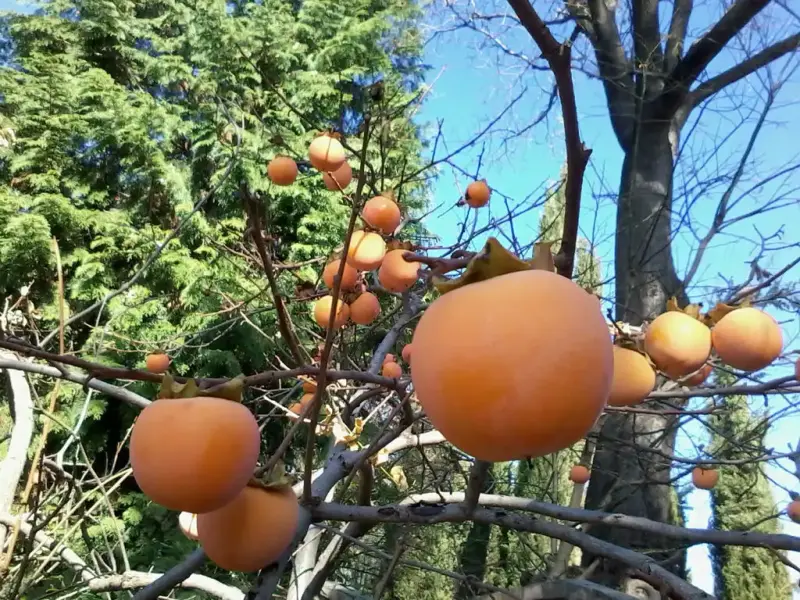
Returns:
<point x="194" y="454"/>
<point x="282" y="170"/>
<point x="490" y="359"/>
<point x="747" y="338"/>
<point x="252" y="531"/>
<point x="365" y="309"/>
<point x="366" y="250"/>
<point x="322" y="312"/>
<point x="326" y="153"/>
<point x="704" y="479"/>
<point x="677" y="343"/>
<point x="634" y="378"/>
<point x="349" y="276"/>
<point x="382" y="213"/>
<point x="396" y="273"/>
<point x="338" y="179"/>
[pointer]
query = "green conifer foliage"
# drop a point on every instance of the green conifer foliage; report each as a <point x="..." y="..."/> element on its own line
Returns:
<point x="742" y="500"/>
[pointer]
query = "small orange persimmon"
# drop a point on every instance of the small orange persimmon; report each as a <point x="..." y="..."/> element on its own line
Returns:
<point x="322" y="312"/>
<point x="579" y="474"/>
<point x="699" y="376"/>
<point x="338" y="179"/>
<point x="158" y="362"/>
<point x="172" y="440"/>
<point x="296" y="409"/>
<point x="793" y="510"/>
<point x="478" y="193"/>
<point x="382" y="213"/>
<point x="389" y="358"/>
<point x="747" y="338"/>
<point x="282" y="170"/>
<point x="349" y="276"/>
<point x="252" y="531"/>
<point x="365" y="309"/>
<point x="391" y="369"/>
<point x="677" y="343"/>
<point x="406" y="353"/>
<point x="704" y="479"/>
<point x="366" y="250"/>
<point x="396" y="273"/>
<point x="634" y="378"/>
<point x="326" y="153"/>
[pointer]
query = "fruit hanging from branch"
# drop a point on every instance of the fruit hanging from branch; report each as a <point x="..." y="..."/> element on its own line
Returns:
<point x="397" y="274"/>
<point x="490" y="359"/>
<point x="677" y="343"/>
<point x="382" y="213"/>
<point x="391" y="369"/>
<point x="365" y="309"/>
<point x="748" y="339"/>
<point x="339" y="179"/>
<point x="366" y="250"/>
<point x="633" y="380"/>
<point x="349" y="276"/>
<point x="325" y="153"/>
<point x="322" y="312"/>
<point x="251" y="531"/>
<point x="194" y="453"/>
<point x="158" y="362"/>
<point x="282" y="170"/>
<point x="477" y="194"/>
<point x="704" y="479"/>
<point x="579" y="474"/>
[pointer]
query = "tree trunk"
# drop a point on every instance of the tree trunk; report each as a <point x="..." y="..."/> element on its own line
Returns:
<point x="476" y="548"/>
<point x="625" y="477"/>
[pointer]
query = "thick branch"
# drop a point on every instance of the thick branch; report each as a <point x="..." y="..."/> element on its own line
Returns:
<point x="681" y="10"/>
<point x="705" y="49"/>
<point x="673" y="584"/>
<point x="767" y="55"/>
<point x="685" y="535"/>
<point x="559" y="57"/>
<point x="647" y="35"/>
<point x="172" y="578"/>
<point x="284" y="321"/>
<point x="13" y="464"/>
<point x="565" y="588"/>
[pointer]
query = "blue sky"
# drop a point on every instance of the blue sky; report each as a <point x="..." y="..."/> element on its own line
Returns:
<point x="470" y="87"/>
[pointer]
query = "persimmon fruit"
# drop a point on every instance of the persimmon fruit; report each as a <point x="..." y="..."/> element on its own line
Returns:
<point x="698" y="376"/>
<point x="349" y="275"/>
<point x="634" y="378"/>
<point x="677" y="343"/>
<point x="579" y="474"/>
<point x="389" y="358"/>
<point x="322" y="312"/>
<point x="396" y="273"/>
<point x="391" y="369"/>
<point x="251" y="531"/>
<point x="338" y="179"/>
<point x="194" y="454"/>
<point x="406" y="353"/>
<point x="365" y="309"/>
<point x="326" y="153"/>
<point x="282" y="170"/>
<point x="296" y="408"/>
<point x="158" y="362"/>
<point x="793" y="510"/>
<point x="704" y="479"/>
<point x="747" y="339"/>
<point x="382" y="213"/>
<point x="366" y="250"/>
<point x="478" y="194"/>
<point x="187" y="522"/>
<point x="489" y="361"/>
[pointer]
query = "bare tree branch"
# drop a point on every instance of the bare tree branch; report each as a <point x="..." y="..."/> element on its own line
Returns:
<point x="742" y="69"/>
<point x="681" y="11"/>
